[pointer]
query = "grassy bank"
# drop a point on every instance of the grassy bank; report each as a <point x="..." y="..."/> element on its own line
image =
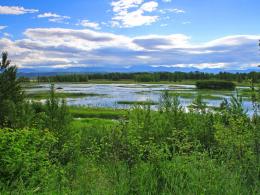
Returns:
<point x="104" y="113"/>
<point x="46" y="95"/>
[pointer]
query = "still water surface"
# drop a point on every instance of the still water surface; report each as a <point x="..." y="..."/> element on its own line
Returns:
<point x="110" y="94"/>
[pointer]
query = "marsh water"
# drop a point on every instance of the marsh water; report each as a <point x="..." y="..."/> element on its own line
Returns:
<point x="109" y="95"/>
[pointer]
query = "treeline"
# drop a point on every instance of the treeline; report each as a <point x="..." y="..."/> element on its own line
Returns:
<point x="152" y="77"/>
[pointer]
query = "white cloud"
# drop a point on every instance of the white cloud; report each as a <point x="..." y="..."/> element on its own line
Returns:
<point x="52" y="17"/>
<point x="167" y="1"/>
<point x="2" y="27"/>
<point x="123" y="5"/>
<point x="59" y="47"/>
<point x="199" y="66"/>
<point x="7" y="35"/>
<point x="15" y="10"/>
<point x="88" y="24"/>
<point x="48" y="15"/>
<point x="126" y="18"/>
<point x="149" y="6"/>
<point x="187" y="22"/>
<point x="164" y="25"/>
<point x="172" y="10"/>
<point x="59" y="20"/>
<point x="159" y="42"/>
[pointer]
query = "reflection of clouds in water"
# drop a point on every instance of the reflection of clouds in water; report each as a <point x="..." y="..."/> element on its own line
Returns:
<point x="128" y="92"/>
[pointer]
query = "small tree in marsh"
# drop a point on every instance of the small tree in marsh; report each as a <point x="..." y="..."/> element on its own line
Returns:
<point x="58" y="119"/>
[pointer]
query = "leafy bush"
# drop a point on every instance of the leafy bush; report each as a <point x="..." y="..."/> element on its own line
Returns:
<point x="25" y="158"/>
<point x="214" y="84"/>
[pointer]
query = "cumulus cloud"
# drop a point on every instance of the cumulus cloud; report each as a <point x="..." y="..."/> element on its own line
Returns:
<point x="125" y="17"/>
<point x="15" y="10"/>
<point x="59" y="47"/>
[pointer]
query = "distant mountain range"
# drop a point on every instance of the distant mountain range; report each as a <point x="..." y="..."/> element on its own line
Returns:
<point x="77" y="70"/>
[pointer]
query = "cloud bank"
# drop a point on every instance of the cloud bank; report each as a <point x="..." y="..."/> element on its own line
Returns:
<point x="59" y="47"/>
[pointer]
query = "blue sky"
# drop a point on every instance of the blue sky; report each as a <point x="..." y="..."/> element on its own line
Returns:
<point x="125" y="33"/>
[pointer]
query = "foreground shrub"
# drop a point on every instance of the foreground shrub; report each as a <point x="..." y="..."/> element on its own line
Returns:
<point x="215" y="85"/>
<point x="24" y="160"/>
<point x="236" y="145"/>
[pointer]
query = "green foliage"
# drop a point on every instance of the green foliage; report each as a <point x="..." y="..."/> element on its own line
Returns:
<point x="147" y="78"/>
<point x="193" y="174"/>
<point x="137" y="102"/>
<point x="147" y="152"/>
<point x="105" y="113"/>
<point x="25" y="158"/>
<point x="10" y="91"/>
<point x="64" y="78"/>
<point x="41" y="96"/>
<point x="214" y="84"/>
<point x="198" y="105"/>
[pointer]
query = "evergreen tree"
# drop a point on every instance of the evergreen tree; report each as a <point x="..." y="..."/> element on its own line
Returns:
<point x="10" y="91"/>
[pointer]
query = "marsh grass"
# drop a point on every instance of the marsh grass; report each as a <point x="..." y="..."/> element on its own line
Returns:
<point x="45" y="95"/>
<point x="138" y="102"/>
<point x="104" y="113"/>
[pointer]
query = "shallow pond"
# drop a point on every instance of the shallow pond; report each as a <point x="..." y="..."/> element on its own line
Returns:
<point x="108" y="95"/>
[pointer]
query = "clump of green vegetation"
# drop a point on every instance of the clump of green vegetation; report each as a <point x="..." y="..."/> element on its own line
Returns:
<point x="25" y="159"/>
<point x="83" y="122"/>
<point x="215" y="84"/>
<point x="193" y="94"/>
<point x="104" y="113"/>
<point x="45" y="95"/>
<point x="137" y="102"/>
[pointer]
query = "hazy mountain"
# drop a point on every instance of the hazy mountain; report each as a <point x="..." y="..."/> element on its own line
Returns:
<point x="54" y="71"/>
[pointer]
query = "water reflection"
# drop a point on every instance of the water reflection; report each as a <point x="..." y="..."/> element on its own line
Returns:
<point x="128" y="92"/>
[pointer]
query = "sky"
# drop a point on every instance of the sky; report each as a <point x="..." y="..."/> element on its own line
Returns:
<point x="203" y="34"/>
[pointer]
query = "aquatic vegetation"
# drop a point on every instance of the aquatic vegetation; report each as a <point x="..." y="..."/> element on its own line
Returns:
<point x="138" y="102"/>
<point x="215" y="84"/>
<point x="45" y="95"/>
